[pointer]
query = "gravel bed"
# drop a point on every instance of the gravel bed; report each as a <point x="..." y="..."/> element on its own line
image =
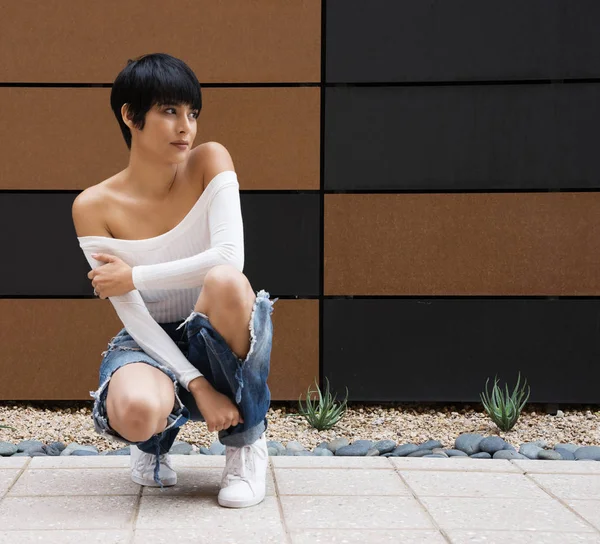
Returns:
<point x="69" y="421"/>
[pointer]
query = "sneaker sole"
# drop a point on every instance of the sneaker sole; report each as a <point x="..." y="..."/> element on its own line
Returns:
<point x="167" y="482"/>
<point x="239" y="504"/>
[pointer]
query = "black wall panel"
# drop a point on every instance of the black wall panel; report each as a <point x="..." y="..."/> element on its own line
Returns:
<point x="445" y="349"/>
<point x="525" y="136"/>
<point x="42" y="256"/>
<point x="462" y="40"/>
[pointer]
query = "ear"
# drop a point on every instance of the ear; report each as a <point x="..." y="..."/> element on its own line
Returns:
<point x="125" y="115"/>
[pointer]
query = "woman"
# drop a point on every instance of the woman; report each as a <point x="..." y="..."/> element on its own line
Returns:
<point x="164" y="238"/>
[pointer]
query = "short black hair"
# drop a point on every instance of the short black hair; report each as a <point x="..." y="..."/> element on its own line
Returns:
<point x="153" y="79"/>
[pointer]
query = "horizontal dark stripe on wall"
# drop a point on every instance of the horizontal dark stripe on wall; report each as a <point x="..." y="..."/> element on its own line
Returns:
<point x="43" y="257"/>
<point x="462" y="137"/>
<point x="412" y="40"/>
<point x="444" y="350"/>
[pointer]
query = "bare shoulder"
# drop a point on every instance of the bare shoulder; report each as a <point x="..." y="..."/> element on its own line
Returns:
<point x="87" y="212"/>
<point x="212" y="158"/>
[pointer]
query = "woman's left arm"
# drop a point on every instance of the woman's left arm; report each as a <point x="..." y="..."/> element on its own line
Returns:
<point x="226" y="240"/>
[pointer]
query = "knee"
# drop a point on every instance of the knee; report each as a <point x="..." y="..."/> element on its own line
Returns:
<point x="137" y="418"/>
<point x="227" y="283"/>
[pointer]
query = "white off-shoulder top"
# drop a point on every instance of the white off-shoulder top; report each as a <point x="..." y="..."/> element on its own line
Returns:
<point x="168" y="270"/>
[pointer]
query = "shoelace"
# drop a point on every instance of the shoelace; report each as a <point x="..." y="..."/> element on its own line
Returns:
<point x="164" y="460"/>
<point x="239" y="464"/>
<point x="146" y="461"/>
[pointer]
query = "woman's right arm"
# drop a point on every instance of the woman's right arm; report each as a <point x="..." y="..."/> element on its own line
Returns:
<point x="130" y="307"/>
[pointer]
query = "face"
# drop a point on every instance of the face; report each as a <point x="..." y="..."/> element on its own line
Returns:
<point x="164" y="125"/>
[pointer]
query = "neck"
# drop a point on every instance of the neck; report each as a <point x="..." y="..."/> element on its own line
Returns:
<point x="148" y="178"/>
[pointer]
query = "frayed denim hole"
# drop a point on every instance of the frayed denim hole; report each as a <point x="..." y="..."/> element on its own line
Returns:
<point x="116" y="345"/>
<point x="262" y="297"/>
<point x="100" y="420"/>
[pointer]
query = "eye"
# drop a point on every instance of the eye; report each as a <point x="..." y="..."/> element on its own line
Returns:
<point x="195" y="113"/>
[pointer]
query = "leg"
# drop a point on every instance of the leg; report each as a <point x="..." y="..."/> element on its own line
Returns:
<point x="140" y="397"/>
<point x="228" y="298"/>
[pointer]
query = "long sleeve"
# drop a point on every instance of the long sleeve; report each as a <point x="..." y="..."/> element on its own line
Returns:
<point x="142" y="327"/>
<point x="226" y="247"/>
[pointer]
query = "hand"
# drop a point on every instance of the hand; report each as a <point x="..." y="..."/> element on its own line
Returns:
<point x="113" y="278"/>
<point x="218" y="410"/>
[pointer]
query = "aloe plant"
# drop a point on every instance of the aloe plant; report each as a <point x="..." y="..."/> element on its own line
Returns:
<point x="504" y="410"/>
<point x="326" y="414"/>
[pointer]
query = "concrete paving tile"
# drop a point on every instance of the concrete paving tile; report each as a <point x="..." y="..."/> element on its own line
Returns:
<point x="202" y="512"/>
<point x="14" y="462"/>
<point x="357" y="512"/>
<point x="471" y="484"/>
<point x="200" y="461"/>
<point x="77" y="481"/>
<point x="462" y="464"/>
<point x="209" y="533"/>
<point x="121" y="461"/>
<point x="66" y="537"/>
<point x="329" y="462"/>
<point x="322" y="481"/>
<point x="503" y="514"/>
<point x="570" y="486"/>
<point x="558" y="467"/>
<point x="87" y="461"/>
<point x="367" y="536"/>
<point x="522" y="537"/>
<point x="199" y="481"/>
<point x="7" y="477"/>
<point x="59" y="513"/>
<point x="589" y="510"/>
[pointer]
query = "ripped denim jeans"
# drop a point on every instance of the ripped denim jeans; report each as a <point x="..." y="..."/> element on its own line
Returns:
<point x="244" y="381"/>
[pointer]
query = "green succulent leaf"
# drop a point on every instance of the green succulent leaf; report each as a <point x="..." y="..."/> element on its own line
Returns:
<point x="504" y="409"/>
<point x="326" y="413"/>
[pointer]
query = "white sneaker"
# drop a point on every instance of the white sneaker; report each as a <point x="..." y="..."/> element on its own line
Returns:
<point x="243" y="482"/>
<point x="142" y="468"/>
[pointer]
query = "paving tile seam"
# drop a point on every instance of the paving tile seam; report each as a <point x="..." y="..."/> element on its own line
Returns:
<point x="564" y="503"/>
<point x="134" y="517"/>
<point x="579" y="532"/>
<point x="332" y="467"/>
<point x="16" y="477"/>
<point x="430" y="530"/>
<point x="471" y="462"/>
<point x="564" y="473"/>
<point x="286" y="530"/>
<point x="65" y="530"/>
<point x="215" y="493"/>
<point x="299" y="532"/>
<point x="428" y="514"/>
<point x="424" y="469"/>
<point x="404" y="468"/>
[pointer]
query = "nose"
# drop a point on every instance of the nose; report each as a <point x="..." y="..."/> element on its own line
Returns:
<point x="185" y="126"/>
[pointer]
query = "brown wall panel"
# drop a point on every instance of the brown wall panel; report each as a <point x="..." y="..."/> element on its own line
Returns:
<point x="462" y="244"/>
<point x="232" y="41"/>
<point x="68" y="138"/>
<point x="51" y="348"/>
